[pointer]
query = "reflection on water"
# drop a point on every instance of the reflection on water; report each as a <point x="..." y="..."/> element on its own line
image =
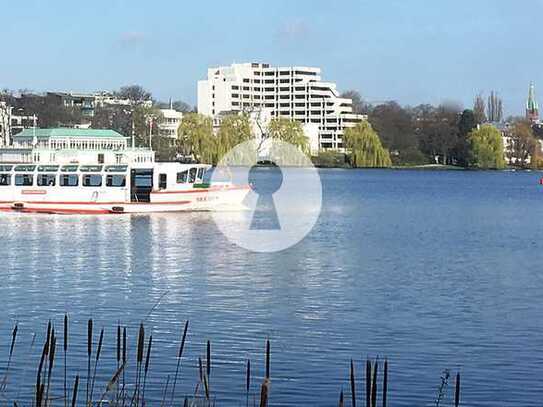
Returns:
<point x="433" y="270"/>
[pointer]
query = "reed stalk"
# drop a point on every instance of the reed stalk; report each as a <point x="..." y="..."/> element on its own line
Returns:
<point x="40" y="369"/>
<point x="264" y="393"/>
<point x="147" y="360"/>
<point x="97" y="359"/>
<point x="179" y="354"/>
<point x="52" y="351"/>
<point x="268" y="357"/>
<point x="139" y="361"/>
<point x="118" y="358"/>
<point x="374" y="384"/>
<point x="206" y="387"/>
<point x="208" y="354"/>
<point x="124" y="363"/>
<point x="368" y="383"/>
<point x="385" y="383"/>
<point x="111" y="384"/>
<point x="457" y="391"/>
<point x="247" y="382"/>
<point x="11" y="348"/>
<point x="200" y="370"/>
<point x="65" y="359"/>
<point x="89" y="353"/>
<point x="163" y="400"/>
<point x="353" y="384"/>
<point x="74" y="395"/>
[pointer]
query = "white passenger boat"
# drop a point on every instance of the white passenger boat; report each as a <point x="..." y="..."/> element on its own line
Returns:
<point x="94" y="172"/>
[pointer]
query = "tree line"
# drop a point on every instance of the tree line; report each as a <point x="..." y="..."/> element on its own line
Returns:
<point x="449" y="135"/>
<point x="392" y="135"/>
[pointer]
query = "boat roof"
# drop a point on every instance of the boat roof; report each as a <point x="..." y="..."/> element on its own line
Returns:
<point x="68" y="132"/>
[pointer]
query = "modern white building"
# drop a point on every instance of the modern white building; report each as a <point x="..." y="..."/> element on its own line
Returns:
<point x="294" y="92"/>
<point x="170" y="123"/>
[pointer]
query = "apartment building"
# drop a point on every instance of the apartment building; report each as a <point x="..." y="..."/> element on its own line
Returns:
<point x="294" y="92"/>
<point x="170" y="123"/>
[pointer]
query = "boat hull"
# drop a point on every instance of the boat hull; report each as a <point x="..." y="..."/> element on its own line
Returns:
<point x="198" y="199"/>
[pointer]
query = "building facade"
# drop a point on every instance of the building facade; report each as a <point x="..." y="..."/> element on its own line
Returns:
<point x="170" y="123"/>
<point x="71" y="146"/>
<point x="12" y="122"/>
<point x="295" y="92"/>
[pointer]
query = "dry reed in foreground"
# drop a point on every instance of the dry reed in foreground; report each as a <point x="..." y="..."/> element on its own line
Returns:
<point x="119" y="391"/>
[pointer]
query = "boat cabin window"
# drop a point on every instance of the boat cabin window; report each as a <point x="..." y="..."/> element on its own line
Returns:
<point x="48" y="168"/>
<point x="192" y="175"/>
<point x="162" y="181"/>
<point x="25" y="168"/>
<point x="182" y="177"/>
<point x="69" y="180"/>
<point x="46" y="180"/>
<point x="116" y="181"/>
<point x="69" y="168"/>
<point x="6" y="168"/>
<point x="5" y="179"/>
<point x="200" y="174"/>
<point x="90" y="168"/>
<point x="94" y="180"/>
<point x="24" y="180"/>
<point x="116" y="168"/>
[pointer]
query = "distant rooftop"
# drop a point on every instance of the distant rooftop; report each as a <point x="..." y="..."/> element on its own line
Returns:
<point x="68" y="132"/>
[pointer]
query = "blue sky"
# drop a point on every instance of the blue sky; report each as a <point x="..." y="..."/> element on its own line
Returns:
<point x="412" y="51"/>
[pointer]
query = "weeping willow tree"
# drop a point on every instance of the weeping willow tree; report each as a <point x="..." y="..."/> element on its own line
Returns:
<point x="289" y="131"/>
<point x="235" y="129"/>
<point x="365" y="147"/>
<point x="487" y="147"/>
<point x="195" y="137"/>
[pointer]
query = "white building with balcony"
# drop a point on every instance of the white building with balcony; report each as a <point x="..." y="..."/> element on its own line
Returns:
<point x="170" y="123"/>
<point x="294" y="92"/>
<point x="70" y="146"/>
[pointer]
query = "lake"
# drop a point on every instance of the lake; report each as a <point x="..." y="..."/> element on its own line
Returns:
<point x="433" y="270"/>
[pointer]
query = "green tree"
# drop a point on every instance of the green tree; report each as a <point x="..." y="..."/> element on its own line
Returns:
<point x="234" y="130"/>
<point x="526" y="149"/>
<point x="365" y="147"/>
<point x="461" y="151"/>
<point x="479" y="109"/>
<point x="145" y="120"/>
<point x="195" y="138"/>
<point x="359" y="105"/>
<point x="178" y="105"/>
<point x="395" y="127"/>
<point x="165" y="148"/>
<point x="487" y="147"/>
<point x="438" y="133"/>
<point x="134" y="93"/>
<point x="289" y="131"/>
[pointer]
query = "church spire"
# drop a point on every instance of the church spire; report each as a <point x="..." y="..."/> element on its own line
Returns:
<point x="532" y="109"/>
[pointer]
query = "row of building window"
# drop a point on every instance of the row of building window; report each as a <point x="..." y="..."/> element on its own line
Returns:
<point x="280" y="88"/>
<point x="284" y="73"/>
